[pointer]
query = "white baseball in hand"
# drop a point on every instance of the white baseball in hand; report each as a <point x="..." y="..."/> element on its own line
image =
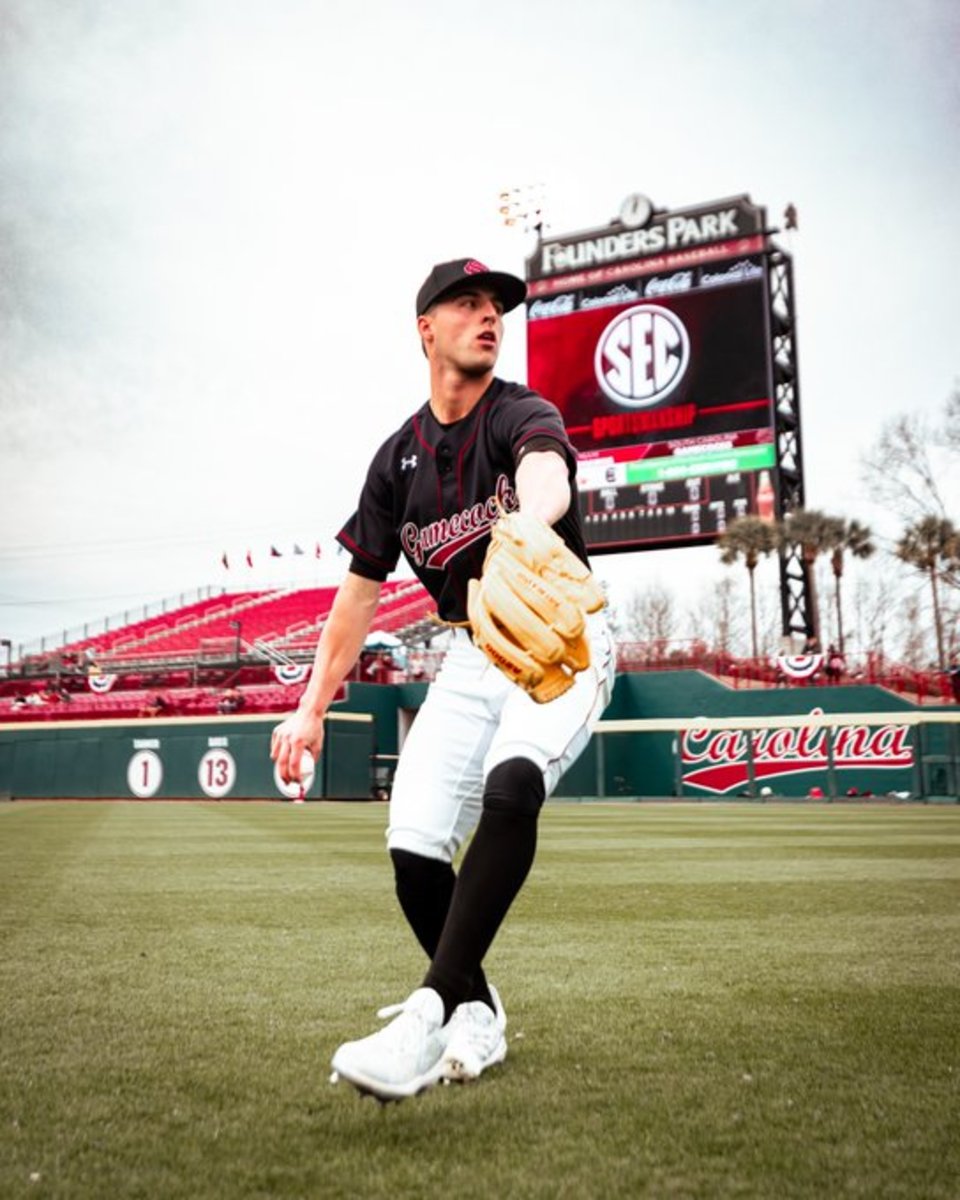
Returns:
<point x="295" y="789"/>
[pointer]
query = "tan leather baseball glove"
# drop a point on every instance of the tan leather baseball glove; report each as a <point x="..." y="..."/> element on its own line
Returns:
<point x="527" y="611"/>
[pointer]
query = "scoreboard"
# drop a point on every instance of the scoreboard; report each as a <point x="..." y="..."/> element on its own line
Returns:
<point x="653" y="341"/>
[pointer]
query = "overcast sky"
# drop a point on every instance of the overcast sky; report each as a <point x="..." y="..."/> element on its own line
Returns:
<point x="214" y="217"/>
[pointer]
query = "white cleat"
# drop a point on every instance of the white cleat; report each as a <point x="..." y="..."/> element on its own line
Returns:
<point x="404" y="1057"/>
<point x="476" y="1039"/>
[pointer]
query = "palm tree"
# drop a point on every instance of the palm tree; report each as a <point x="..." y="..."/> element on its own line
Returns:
<point x="815" y="533"/>
<point x="929" y="545"/>
<point x="748" y="538"/>
<point x="854" y="540"/>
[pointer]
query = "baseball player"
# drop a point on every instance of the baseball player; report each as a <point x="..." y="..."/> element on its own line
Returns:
<point x="476" y="490"/>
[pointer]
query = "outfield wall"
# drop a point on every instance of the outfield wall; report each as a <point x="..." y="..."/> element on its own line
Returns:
<point x="167" y="758"/>
<point x="213" y="758"/>
<point x="876" y="758"/>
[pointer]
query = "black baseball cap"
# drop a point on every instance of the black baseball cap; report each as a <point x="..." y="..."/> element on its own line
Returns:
<point x="462" y="273"/>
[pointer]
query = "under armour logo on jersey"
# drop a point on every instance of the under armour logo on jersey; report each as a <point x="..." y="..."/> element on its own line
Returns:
<point x="408" y="464"/>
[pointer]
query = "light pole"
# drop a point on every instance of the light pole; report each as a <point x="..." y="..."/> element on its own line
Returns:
<point x="236" y="626"/>
<point x="523" y="207"/>
<point x="8" y="646"/>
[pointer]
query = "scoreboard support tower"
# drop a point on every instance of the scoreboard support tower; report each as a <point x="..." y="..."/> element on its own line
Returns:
<point x="795" y="604"/>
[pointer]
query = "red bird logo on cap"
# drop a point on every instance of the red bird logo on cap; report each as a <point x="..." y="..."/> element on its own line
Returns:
<point x="475" y="268"/>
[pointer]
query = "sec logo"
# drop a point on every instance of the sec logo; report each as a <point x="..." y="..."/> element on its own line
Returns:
<point x="641" y="356"/>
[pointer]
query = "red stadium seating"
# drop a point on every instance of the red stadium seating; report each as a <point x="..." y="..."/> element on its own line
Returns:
<point x="163" y="653"/>
<point x="281" y="621"/>
<point x="142" y="631"/>
<point x="179" y="702"/>
<point x="262" y="616"/>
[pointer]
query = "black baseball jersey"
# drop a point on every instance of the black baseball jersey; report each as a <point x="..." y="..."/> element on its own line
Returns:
<point x="433" y="491"/>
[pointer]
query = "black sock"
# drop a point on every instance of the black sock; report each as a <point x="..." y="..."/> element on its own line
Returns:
<point x="424" y="888"/>
<point x="493" y="872"/>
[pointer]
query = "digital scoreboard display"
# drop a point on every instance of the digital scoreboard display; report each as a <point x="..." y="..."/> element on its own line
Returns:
<point x="660" y="368"/>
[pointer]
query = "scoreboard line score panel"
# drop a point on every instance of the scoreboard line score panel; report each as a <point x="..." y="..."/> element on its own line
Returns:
<point x="663" y="382"/>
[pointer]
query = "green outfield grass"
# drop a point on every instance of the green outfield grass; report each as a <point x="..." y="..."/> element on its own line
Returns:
<point x="705" y="1000"/>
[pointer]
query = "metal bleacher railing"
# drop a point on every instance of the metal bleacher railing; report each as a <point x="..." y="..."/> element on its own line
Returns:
<point x="245" y="638"/>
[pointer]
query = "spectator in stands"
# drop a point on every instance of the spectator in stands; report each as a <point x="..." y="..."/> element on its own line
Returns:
<point x="156" y="706"/>
<point x="836" y="664"/>
<point x="371" y="667"/>
<point x="231" y="701"/>
<point x="19" y="702"/>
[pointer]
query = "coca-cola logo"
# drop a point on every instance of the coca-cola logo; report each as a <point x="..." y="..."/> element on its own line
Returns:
<point x="670" y="285"/>
<point x="558" y="306"/>
<point x="716" y="760"/>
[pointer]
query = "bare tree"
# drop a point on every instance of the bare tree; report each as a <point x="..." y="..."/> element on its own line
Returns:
<point x="950" y="432"/>
<point x="728" y="616"/>
<point x="698" y="627"/>
<point x="913" y="635"/>
<point x="898" y="468"/>
<point x="951" y="630"/>
<point x="769" y="623"/>
<point x="717" y="619"/>
<point x="906" y="467"/>
<point x="650" y="617"/>
<point x="873" y="605"/>
<point x="612" y="613"/>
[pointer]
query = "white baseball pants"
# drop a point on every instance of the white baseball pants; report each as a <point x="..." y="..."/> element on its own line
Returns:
<point x="473" y="718"/>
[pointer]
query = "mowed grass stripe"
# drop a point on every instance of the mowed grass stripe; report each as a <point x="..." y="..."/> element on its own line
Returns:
<point x="714" y="1000"/>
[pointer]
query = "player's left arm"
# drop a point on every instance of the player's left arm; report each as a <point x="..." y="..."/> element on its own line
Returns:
<point x="543" y="485"/>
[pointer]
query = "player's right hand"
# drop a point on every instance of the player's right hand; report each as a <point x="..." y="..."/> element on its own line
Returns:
<point x="298" y="732"/>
